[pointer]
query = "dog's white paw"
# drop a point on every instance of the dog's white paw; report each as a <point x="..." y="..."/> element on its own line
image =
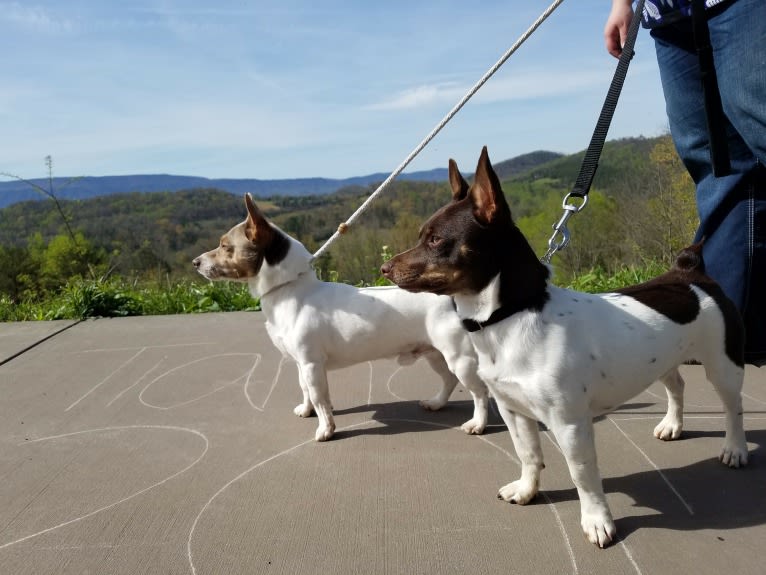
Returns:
<point x="474" y="426"/>
<point x="323" y="433"/>
<point x="668" y="429"/>
<point x="734" y="456"/>
<point x="432" y="404"/>
<point x="303" y="410"/>
<point x="520" y="492"/>
<point x="599" y="528"/>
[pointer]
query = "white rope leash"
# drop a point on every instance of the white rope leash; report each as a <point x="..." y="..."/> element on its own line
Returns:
<point x="344" y="226"/>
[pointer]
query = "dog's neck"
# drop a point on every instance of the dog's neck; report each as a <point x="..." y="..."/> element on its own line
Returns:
<point x="521" y="283"/>
<point x="478" y="308"/>
<point x="295" y="265"/>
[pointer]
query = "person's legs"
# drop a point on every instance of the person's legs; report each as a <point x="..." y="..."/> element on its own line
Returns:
<point x="738" y="37"/>
<point x="732" y="209"/>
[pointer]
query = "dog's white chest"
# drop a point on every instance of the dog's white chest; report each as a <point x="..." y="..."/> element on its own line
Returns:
<point x="509" y="371"/>
<point x="276" y="338"/>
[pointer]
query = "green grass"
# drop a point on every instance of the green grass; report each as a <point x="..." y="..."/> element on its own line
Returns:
<point x="80" y="299"/>
<point x="599" y="281"/>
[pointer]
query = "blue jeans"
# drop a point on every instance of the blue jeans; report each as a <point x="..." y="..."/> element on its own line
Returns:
<point x="732" y="209"/>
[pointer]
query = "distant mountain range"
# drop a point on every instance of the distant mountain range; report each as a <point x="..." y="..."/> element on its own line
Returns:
<point x="15" y="191"/>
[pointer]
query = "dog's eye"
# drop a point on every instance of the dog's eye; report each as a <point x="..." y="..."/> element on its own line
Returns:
<point x="435" y="241"/>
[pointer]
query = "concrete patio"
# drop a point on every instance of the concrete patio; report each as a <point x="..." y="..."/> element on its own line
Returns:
<point x="167" y="445"/>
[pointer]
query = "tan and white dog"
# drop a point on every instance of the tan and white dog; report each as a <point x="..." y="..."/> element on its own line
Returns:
<point x="324" y="326"/>
<point x="563" y="357"/>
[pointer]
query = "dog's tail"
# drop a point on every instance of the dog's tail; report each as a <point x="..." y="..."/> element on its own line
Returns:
<point x="690" y="259"/>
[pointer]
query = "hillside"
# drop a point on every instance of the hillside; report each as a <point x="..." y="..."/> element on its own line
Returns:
<point x="521" y="165"/>
<point x="160" y="233"/>
<point x="81" y="188"/>
<point x="87" y="187"/>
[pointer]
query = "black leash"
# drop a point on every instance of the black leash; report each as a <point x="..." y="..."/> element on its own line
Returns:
<point x="593" y="153"/>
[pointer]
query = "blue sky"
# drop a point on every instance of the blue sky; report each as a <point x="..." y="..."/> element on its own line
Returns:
<point x="286" y="89"/>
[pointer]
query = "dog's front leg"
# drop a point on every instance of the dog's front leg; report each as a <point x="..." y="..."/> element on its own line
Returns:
<point x="525" y="435"/>
<point x="577" y="442"/>
<point x="314" y="379"/>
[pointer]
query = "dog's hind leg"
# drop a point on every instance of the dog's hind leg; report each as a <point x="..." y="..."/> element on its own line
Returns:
<point x="671" y="425"/>
<point x="464" y="370"/>
<point x="525" y="435"/>
<point x="727" y="379"/>
<point x="577" y="442"/>
<point x="303" y="409"/>
<point x="314" y="379"/>
<point x="449" y="381"/>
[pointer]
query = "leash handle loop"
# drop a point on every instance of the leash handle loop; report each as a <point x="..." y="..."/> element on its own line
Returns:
<point x="573" y="207"/>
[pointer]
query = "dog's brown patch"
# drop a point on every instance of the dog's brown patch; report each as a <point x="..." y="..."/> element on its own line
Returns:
<point x="268" y="240"/>
<point x="670" y="294"/>
<point x="674" y="300"/>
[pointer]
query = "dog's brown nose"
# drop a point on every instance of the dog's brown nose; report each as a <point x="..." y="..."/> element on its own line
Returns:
<point x="385" y="269"/>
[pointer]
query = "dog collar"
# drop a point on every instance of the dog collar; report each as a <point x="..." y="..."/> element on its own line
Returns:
<point x="499" y="314"/>
<point x="471" y="325"/>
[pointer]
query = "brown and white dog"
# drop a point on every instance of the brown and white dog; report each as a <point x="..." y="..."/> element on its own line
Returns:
<point x="324" y="326"/>
<point x="564" y="357"/>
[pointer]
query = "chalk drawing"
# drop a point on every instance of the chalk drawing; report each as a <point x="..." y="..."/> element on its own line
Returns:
<point x="256" y="360"/>
<point x="124" y="499"/>
<point x="139" y="380"/>
<point x="140" y="350"/>
<point x="275" y="379"/>
<point x="289" y="450"/>
<point x="107" y="378"/>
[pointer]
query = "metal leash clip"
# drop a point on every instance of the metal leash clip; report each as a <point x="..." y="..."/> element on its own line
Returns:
<point x="560" y="229"/>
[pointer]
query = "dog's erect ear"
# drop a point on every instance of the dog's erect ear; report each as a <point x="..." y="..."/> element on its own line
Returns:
<point x="457" y="182"/>
<point x="486" y="195"/>
<point x="256" y="225"/>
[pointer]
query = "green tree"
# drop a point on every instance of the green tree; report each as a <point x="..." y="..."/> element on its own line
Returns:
<point x="595" y="234"/>
<point x="65" y="257"/>
<point x="662" y="220"/>
<point x="15" y="271"/>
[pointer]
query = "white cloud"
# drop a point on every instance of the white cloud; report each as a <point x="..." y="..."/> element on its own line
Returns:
<point x="525" y="85"/>
<point x="419" y="97"/>
<point x="35" y="18"/>
<point x="541" y="84"/>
